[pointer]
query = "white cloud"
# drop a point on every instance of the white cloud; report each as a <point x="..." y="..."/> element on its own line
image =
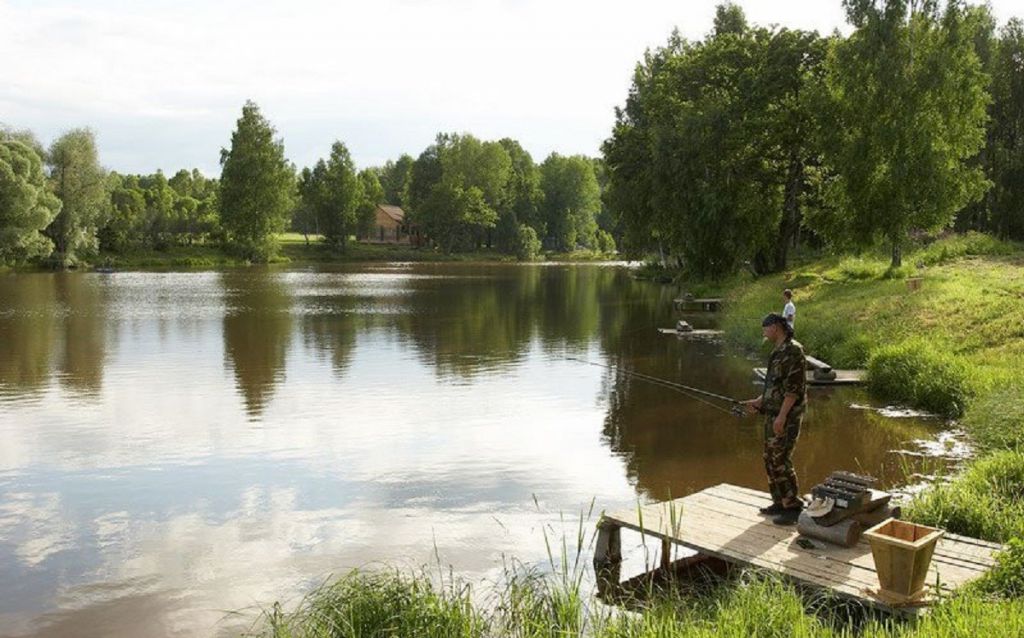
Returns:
<point x="162" y="82"/>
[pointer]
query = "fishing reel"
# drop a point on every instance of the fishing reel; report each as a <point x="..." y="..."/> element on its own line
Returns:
<point x="738" y="410"/>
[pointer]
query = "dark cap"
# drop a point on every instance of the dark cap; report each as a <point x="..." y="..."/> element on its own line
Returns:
<point x="773" y="318"/>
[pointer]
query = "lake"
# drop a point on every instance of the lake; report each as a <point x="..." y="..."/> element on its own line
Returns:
<point x="178" y="446"/>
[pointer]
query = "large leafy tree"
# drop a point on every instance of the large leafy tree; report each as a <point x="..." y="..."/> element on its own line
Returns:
<point x="371" y="193"/>
<point x="26" y="204"/>
<point x="396" y="179"/>
<point x="457" y="185"/>
<point x="1006" y="153"/>
<point x="572" y="199"/>
<point x="79" y="182"/>
<point x="339" y="192"/>
<point x="708" y="159"/>
<point x="521" y="199"/>
<point x="908" y="99"/>
<point x="257" y="184"/>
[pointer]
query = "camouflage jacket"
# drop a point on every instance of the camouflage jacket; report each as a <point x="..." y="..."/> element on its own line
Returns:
<point x="787" y="374"/>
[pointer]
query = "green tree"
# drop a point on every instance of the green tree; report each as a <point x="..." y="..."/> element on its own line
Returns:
<point x="26" y="204"/>
<point x="908" y="96"/>
<point x="458" y="183"/>
<point x="304" y="217"/>
<point x="1006" y="154"/>
<point x="257" y="184"/>
<point x="79" y="182"/>
<point x="396" y="179"/>
<point x="371" y="194"/>
<point x="572" y="199"/>
<point x="125" y="215"/>
<point x="521" y="199"/>
<point x="337" y="195"/>
<point x="526" y="245"/>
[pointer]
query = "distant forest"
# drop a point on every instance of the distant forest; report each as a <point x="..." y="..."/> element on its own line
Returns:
<point x="729" y="151"/>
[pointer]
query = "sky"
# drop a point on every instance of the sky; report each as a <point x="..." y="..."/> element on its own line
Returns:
<point x="162" y="82"/>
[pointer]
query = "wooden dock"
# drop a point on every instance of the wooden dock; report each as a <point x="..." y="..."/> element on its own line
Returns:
<point x="695" y="333"/>
<point x="814" y="377"/>
<point x="707" y="304"/>
<point x="723" y="523"/>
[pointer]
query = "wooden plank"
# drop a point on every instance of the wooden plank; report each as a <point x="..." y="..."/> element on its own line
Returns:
<point x="784" y="558"/>
<point x="817" y="364"/>
<point x="723" y="522"/>
<point x="858" y="555"/>
<point x="951" y="542"/>
<point x="843" y="377"/>
<point x="949" y="547"/>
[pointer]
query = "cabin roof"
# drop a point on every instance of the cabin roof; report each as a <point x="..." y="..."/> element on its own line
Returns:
<point x="394" y="212"/>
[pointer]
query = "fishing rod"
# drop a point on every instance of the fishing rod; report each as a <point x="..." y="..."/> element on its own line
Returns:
<point x="736" y="406"/>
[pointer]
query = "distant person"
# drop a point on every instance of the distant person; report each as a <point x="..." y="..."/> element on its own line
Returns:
<point x="782" y="403"/>
<point x="789" y="310"/>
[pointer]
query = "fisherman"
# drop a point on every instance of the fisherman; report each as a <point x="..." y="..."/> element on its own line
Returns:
<point x="782" y="403"/>
<point x="789" y="310"/>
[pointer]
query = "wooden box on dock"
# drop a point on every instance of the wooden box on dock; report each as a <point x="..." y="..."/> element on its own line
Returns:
<point x="902" y="553"/>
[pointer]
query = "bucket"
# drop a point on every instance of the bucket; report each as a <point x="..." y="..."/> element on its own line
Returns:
<point x="902" y="552"/>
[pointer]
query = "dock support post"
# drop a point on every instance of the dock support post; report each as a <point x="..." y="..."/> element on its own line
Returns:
<point x="608" y="554"/>
<point x="666" y="553"/>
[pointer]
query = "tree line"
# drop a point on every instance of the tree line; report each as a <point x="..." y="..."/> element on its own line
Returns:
<point x="731" y="149"/>
<point x="739" y="146"/>
<point x="59" y="205"/>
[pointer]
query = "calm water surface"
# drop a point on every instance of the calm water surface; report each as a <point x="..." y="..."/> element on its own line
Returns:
<point x="174" y="446"/>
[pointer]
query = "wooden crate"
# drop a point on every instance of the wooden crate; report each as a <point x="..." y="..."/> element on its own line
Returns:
<point x="902" y="552"/>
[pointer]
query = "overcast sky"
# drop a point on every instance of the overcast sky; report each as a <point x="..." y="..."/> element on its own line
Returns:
<point x="162" y="81"/>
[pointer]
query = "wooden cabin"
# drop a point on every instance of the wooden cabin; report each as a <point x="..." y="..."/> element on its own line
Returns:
<point x="391" y="227"/>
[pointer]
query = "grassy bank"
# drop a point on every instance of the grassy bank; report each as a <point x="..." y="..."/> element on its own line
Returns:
<point x="951" y="341"/>
<point x="294" y="249"/>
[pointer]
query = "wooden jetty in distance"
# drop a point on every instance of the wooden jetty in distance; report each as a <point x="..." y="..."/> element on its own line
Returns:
<point x="696" y="332"/>
<point x="821" y="373"/>
<point x="722" y="524"/>
<point x="842" y="377"/>
<point x="708" y="304"/>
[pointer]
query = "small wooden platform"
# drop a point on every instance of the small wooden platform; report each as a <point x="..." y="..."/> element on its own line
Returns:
<point x="708" y="304"/>
<point x="842" y="377"/>
<point x="723" y="523"/>
<point x="691" y="333"/>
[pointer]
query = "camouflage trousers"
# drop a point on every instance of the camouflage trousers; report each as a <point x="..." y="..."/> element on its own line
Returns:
<point x="778" y="459"/>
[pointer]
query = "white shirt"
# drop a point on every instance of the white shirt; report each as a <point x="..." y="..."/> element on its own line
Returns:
<point x="789" y="312"/>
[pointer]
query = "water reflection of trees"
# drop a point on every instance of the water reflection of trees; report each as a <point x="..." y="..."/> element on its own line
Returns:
<point x="27" y="331"/>
<point x="674" y="445"/>
<point x="257" y="333"/>
<point x="84" y="300"/>
<point x="53" y="323"/>
<point x="489" y="319"/>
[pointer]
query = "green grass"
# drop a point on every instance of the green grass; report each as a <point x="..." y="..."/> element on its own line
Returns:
<point x="389" y="605"/>
<point x="962" y="330"/>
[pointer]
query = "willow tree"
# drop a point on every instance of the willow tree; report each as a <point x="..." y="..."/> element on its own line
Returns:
<point x="908" y="99"/>
<point x="26" y="204"/>
<point x="79" y="182"/>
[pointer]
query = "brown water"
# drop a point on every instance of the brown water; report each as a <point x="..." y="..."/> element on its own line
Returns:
<point x="174" y="446"/>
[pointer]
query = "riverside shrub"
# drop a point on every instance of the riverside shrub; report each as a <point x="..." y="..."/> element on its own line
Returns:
<point x="917" y="373"/>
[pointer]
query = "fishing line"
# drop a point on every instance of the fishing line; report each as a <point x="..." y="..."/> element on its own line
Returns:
<point x="690" y="391"/>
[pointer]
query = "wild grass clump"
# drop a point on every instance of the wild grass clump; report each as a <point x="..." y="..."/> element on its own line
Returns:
<point x="382" y="604"/>
<point x="753" y="604"/>
<point x="995" y="420"/>
<point x="985" y="501"/>
<point x="964" y="616"/>
<point x="917" y="373"/>
<point x="1006" y="579"/>
<point x="857" y="269"/>
<point x="971" y="244"/>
